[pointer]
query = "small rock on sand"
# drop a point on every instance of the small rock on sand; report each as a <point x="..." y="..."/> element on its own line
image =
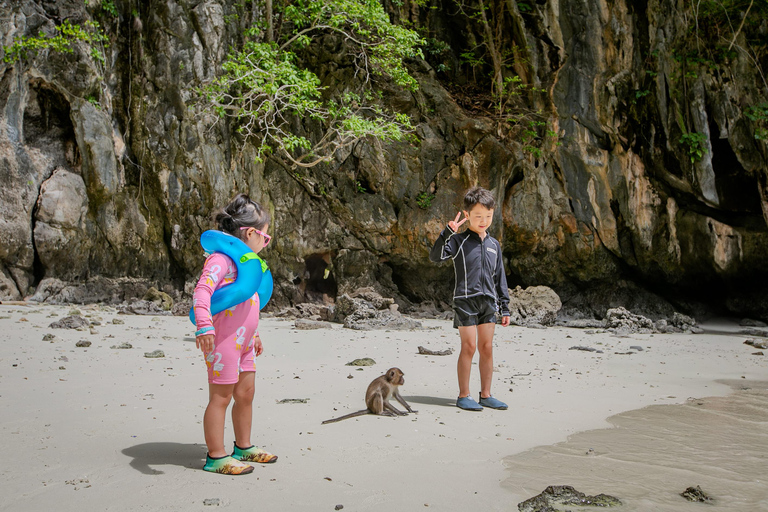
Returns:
<point x="83" y="344"/>
<point x="428" y="352"/>
<point x="695" y="494"/>
<point x="303" y="324"/>
<point x="365" y="361"/>
<point x="154" y="354"/>
<point x="70" y="322"/>
<point x="123" y="345"/>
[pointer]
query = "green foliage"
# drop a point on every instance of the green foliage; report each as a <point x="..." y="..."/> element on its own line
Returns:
<point x="524" y="7"/>
<point x="265" y="85"/>
<point x="694" y="144"/>
<point x="109" y="7"/>
<point x="67" y="34"/>
<point x="360" y="188"/>
<point x="759" y="115"/>
<point x="424" y="200"/>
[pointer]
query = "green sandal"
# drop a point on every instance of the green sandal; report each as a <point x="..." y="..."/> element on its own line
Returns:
<point x="253" y="454"/>
<point x="226" y="465"/>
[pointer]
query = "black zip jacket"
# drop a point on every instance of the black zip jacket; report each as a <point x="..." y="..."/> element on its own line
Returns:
<point x="477" y="263"/>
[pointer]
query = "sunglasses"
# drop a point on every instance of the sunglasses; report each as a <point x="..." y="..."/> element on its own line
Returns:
<point x="267" y="237"/>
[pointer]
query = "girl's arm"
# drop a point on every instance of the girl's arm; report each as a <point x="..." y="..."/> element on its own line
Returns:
<point x="214" y="270"/>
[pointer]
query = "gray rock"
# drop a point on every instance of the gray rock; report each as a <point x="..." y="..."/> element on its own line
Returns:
<point x="210" y="502"/>
<point x="622" y="322"/>
<point x="428" y="352"/>
<point x="70" y="322"/>
<point x="123" y="345"/>
<point x="761" y="344"/>
<point x="154" y="354"/>
<point x="143" y="307"/>
<point x="754" y="331"/>
<point x="306" y="325"/>
<point x="534" y="305"/>
<point x="49" y="337"/>
<point x="585" y="349"/>
<point x="585" y="323"/>
<point x="556" y="496"/>
<point x="748" y="322"/>
<point x="695" y="494"/>
<point x="360" y="313"/>
<point x="365" y="361"/>
<point x="161" y="299"/>
<point x="83" y="344"/>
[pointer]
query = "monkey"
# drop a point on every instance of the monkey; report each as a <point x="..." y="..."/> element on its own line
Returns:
<point x="377" y="396"/>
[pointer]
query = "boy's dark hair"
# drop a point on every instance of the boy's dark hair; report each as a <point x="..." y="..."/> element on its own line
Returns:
<point x="478" y="195"/>
<point x="241" y="212"/>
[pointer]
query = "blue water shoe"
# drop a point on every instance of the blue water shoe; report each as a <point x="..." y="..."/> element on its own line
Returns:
<point x="493" y="403"/>
<point x="468" y="404"/>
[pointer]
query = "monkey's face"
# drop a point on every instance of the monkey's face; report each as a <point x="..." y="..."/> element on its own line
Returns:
<point x="395" y="376"/>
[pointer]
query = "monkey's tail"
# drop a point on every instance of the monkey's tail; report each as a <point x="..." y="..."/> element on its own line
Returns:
<point x="347" y="416"/>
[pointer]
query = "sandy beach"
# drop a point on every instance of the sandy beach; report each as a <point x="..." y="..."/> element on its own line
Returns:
<point x="102" y="428"/>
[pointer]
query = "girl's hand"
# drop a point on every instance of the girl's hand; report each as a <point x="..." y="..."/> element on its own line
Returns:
<point x="454" y="224"/>
<point x="257" y="346"/>
<point x="205" y="342"/>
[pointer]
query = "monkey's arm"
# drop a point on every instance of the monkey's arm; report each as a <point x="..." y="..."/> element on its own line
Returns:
<point x="347" y="416"/>
<point x="388" y="407"/>
<point x="404" y="403"/>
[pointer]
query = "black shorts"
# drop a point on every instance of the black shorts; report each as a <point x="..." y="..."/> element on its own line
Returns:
<point x="477" y="310"/>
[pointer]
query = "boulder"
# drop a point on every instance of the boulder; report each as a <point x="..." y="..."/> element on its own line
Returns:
<point x="533" y="305"/>
<point x="621" y="321"/>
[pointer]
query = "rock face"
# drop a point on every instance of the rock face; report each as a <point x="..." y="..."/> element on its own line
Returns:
<point x="109" y="172"/>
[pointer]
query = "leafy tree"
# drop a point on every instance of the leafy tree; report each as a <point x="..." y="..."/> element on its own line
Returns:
<point x="265" y="86"/>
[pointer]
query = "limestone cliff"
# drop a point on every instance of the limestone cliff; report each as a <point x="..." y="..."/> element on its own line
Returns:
<point x="109" y="172"/>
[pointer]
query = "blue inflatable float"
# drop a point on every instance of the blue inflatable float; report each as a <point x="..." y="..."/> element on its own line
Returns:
<point x="253" y="274"/>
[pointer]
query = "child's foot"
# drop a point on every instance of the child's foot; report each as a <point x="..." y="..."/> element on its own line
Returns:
<point x="468" y="404"/>
<point x="493" y="403"/>
<point x="226" y="465"/>
<point x="253" y="454"/>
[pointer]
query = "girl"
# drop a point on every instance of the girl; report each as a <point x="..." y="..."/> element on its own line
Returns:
<point x="230" y="342"/>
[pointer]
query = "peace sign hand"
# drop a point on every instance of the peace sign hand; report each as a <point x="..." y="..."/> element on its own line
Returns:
<point x="454" y="224"/>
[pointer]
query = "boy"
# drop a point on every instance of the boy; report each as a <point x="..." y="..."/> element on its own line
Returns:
<point x="480" y="292"/>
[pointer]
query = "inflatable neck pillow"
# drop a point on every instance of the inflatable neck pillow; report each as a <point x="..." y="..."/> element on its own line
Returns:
<point x="253" y="274"/>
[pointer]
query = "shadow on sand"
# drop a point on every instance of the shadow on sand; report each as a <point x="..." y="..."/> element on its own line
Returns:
<point x="159" y="454"/>
<point x="431" y="400"/>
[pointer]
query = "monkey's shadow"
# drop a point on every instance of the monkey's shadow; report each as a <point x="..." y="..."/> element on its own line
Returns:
<point x="431" y="400"/>
<point x="159" y="454"/>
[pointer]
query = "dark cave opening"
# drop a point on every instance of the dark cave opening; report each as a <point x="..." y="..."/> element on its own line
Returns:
<point x="737" y="189"/>
<point x="318" y="283"/>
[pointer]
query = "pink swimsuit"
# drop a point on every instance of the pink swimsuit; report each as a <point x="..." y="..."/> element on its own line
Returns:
<point x="235" y="328"/>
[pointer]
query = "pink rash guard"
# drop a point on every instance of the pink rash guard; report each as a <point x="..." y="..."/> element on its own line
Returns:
<point x="235" y="329"/>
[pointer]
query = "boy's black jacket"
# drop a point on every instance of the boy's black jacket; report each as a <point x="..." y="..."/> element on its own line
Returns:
<point x="477" y="263"/>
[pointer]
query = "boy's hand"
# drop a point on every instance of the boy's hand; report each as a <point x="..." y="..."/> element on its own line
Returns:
<point x="454" y="224"/>
<point x="504" y="321"/>
<point x="205" y="342"/>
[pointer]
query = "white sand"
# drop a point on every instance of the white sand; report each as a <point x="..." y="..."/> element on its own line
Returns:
<point x="113" y="430"/>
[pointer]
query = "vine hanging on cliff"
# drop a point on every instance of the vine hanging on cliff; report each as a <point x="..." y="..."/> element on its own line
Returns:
<point x="266" y="88"/>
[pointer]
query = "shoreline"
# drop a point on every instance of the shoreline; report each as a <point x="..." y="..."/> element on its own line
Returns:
<point x="130" y="426"/>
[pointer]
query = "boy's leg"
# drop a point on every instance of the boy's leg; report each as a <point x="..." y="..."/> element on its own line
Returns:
<point x="219" y="396"/>
<point x="485" y="347"/>
<point x="468" y="345"/>
<point x="242" y="411"/>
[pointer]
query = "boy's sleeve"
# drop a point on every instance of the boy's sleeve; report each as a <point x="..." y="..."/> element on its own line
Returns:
<point x="443" y="248"/>
<point x="502" y="290"/>
<point x="214" y="270"/>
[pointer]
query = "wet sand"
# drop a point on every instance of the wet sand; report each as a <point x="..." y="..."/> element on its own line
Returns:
<point x="653" y="454"/>
<point x="99" y="428"/>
